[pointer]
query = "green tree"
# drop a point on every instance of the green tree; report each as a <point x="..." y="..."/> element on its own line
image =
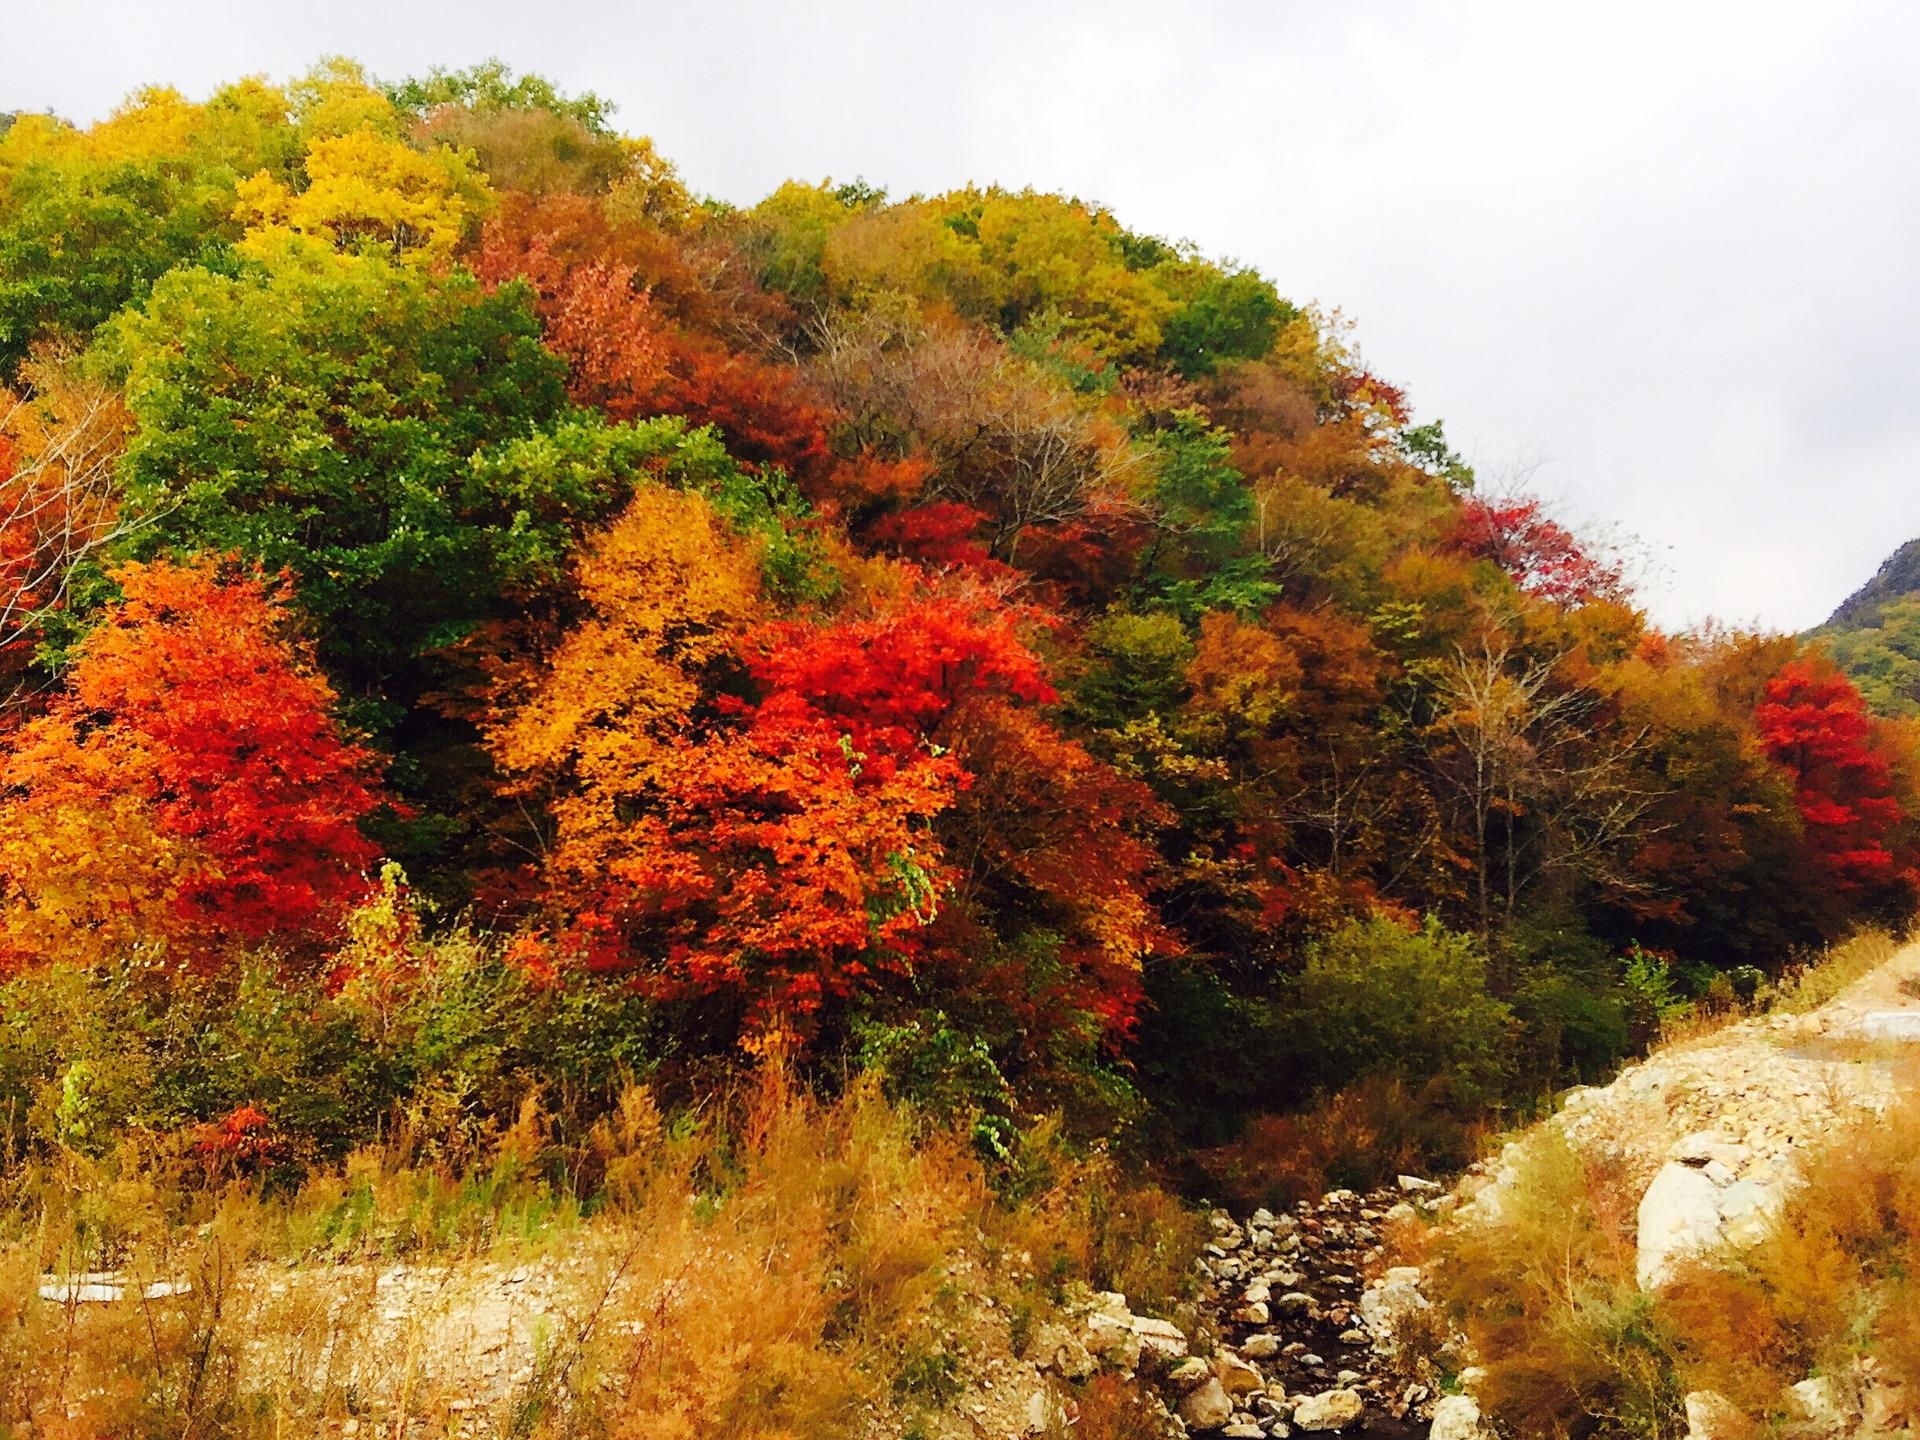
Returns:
<point x="1379" y="998"/>
<point x="339" y="418"/>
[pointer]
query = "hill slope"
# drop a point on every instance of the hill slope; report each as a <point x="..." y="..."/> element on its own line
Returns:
<point x="1874" y="634"/>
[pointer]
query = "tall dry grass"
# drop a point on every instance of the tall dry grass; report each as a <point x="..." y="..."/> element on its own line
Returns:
<point x="777" y="1266"/>
<point x="1834" y="969"/>
<point x="1547" y="1300"/>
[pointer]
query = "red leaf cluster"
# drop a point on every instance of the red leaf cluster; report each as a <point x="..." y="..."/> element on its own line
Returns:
<point x="1815" y="725"/>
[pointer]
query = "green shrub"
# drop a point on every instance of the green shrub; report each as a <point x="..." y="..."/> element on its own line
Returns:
<point x="1378" y="998"/>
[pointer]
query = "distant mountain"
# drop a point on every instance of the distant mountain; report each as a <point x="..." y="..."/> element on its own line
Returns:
<point x="1874" y="634"/>
<point x="1898" y="575"/>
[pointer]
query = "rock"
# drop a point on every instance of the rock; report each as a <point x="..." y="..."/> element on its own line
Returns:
<point x="1697" y="1148"/>
<point x="103" y="1287"/>
<point x="1055" y="1348"/>
<point x="1891" y="1024"/>
<point x="1190" y="1373"/>
<point x="1115" y="1342"/>
<point x="1294" y="1302"/>
<point x="1716" y="1172"/>
<point x="1414" y="1185"/>
<point x="1258" y="1293"/>
<point x="1885" y="1409"/>
<point x="1329" y="1410"/>
<point x="1816" y="1400"/>
<point x="1206" y="1406"/>
<point x="1255" y="1314"/>
<point x="1044" y="1413"/>
<point x="1244" y="1432"/>
<point x="1260" y="1347"/>
<point x="1159" y="1337"/>
<point x="1711" y="1416"/>
<point x="1391" y="1298"/>
<point x="1236" y="1376"/>
<point x="1679" y="1216"/>
<point x="1456" y="1417"/>
<point x="1746" y="1197"/>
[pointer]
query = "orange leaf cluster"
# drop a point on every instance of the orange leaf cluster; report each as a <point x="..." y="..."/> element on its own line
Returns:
<point x="189" y="787"/>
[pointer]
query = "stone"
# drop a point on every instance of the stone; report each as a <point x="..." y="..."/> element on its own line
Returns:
<point x="1055" y="1348"/>
<point x="1891" y="1024"/>
<point x="1414" y="1185"/>
<point x="1456" y="1417"/>
<point x="1206" y="1406"/>
<point x="1255" y="1314"/>
<point x="1115" y="1342"/>
<point x="1697" y="1148"/>
<point x="1159" y="1337"/>
<point x="1258" y="1293"/>
<point x="1260" y="1347"/>
<point x="1294" y="1302"/>
<point x="1236" y="1376"/>
<point x="1711" y="1416"/>
<point x="1816" y="1400"/>
<point x="1044" y="1413"/>
<point x="1190" y="1373"/>
<point x="1885" y="1409"/>
<point x="1390" y="1299"/>
<point x="1679" y="1216"/>
<point x="1746" y="1197"/>
<point x="1329" y="1410"/>
<point x="1244" y="1432"/>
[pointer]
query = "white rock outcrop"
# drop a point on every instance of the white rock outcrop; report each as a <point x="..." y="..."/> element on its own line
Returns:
<point x="1457" y="1417"/>
<point x="1679" y="1217"/>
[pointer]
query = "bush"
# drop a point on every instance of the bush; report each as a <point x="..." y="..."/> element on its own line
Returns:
<point x="1378" y="998"/>
<point x="1358" y="1139"/>
<point x="443" y="1032"/>
<point x="1548" y="1300"/>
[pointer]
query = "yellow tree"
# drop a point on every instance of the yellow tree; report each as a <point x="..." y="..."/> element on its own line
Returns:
<point x="368" y="195"/>
<point x="668" y="589"/>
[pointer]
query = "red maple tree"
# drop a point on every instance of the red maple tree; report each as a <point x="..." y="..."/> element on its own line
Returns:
<point x="1815" y="724"/>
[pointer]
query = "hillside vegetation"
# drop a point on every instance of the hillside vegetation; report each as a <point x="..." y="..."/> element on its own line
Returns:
<point x="1874" y="635"/>
<point x="486" y="631"/>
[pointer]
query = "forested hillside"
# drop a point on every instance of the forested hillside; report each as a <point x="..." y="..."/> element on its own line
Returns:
<point x="1875" y="634"/>
<point x="480" y="619"/>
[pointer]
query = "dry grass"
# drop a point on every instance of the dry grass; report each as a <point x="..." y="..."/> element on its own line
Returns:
<point x="1357" y="1139"/>
<point x="1835" y="1281"/>
<point x="1547" y="1300"/>
<point x="1835" y="969"/>
<point x="780" y="1267"/>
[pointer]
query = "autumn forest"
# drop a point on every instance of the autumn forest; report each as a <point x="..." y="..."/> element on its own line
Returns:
<point x="480" y="620"/>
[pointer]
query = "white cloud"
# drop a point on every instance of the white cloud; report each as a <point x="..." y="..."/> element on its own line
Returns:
<point x="1668" y="246"/>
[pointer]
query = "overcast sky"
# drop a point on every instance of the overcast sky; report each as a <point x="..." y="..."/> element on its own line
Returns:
<point x="1664" y="252"/>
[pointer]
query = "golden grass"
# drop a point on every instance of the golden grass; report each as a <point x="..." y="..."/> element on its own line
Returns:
<point x="1546" y="1297"/>
<point x="1834" y="969"/>
<point x="781" y="1267"/>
